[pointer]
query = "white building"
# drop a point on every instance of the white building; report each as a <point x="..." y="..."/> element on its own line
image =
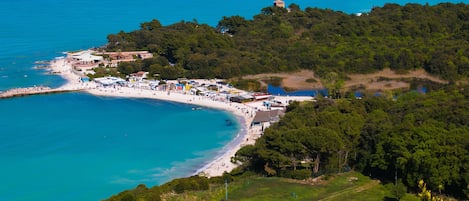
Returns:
<point x="84" y="60"/>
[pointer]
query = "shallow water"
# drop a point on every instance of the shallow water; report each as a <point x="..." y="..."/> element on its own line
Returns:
<point x="48" y="147"/>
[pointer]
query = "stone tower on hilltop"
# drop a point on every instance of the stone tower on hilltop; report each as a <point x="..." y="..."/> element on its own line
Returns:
<point x="279" y="3"/>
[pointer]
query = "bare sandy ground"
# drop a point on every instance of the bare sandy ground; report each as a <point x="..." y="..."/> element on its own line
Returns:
<point x="298" y="80"/>
<point x="371" y="81"/>
<point x="293" y="80"/>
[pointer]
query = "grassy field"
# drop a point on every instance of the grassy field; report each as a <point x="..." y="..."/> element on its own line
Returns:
<point x="347" y="186"/>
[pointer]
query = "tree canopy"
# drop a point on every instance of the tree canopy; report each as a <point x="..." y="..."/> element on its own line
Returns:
<point x="416" y="137"/>
<point x="402" y="38"/>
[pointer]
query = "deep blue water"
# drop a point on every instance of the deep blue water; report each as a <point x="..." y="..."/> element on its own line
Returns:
<point x="80" y="147"/>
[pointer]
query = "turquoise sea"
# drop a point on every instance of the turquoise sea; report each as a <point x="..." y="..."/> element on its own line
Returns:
<point x="76" y="146"/>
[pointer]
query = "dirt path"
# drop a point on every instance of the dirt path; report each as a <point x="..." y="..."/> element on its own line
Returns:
<point x="355" y="189"/>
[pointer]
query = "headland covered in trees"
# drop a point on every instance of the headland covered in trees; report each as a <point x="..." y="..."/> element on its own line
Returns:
<point x="401" y="38"/>
<point x="401" y="138"/>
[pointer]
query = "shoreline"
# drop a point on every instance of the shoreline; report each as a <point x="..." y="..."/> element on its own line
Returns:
<point x="244" y="113"/>
<point x="226" y="151"/>
<point x="222" y="160"/>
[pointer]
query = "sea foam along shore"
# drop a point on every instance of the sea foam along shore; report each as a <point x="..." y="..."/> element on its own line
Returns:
<point x="245" y="112"/>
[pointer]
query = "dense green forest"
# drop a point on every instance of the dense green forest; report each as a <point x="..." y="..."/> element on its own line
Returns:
<point x="414" y="137"/>
<point x="411" y="138"/>
<point x="402" y="38"/>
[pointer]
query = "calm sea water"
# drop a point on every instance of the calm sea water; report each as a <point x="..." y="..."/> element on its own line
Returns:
<point x="80" y="147"/>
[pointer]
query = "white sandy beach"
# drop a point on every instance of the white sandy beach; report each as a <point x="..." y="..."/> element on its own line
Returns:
<point x="64" y="69"/>
<point x="221" y="164"/>
<point x="244" y="112"/>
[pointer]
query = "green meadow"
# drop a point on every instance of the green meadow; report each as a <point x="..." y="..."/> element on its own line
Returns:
<point x="346" y="186"/>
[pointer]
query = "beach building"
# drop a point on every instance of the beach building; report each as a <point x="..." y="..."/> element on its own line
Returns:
<point x="138" y="76"/>
<point x="242" y="98"/>
<point x="109" y="81"/>
<point x="128" y="56"/>
<point x="261" y="96"/>
<point x="84" y="78"/>
<point x="265" y="118"/>
<point x="84" y="60"/>
<point x="154" y="84"/>
<point x="116" y="57"/>
<point x="180" y="87"/>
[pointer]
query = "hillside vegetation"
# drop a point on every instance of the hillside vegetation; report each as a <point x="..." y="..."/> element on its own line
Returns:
<point x="399" y="138"/>
<point x="413" y="137"/>
<point x="401" y="38"/>
<point x="347" y="186"/>
<point x="398" y="141"/>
